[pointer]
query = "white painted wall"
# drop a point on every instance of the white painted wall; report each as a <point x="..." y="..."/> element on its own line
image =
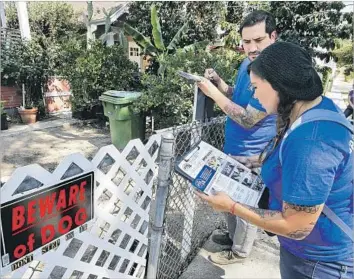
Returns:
<point x="134" y="51"/>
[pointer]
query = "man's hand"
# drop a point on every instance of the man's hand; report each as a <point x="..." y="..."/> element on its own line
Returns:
<point x="211" y="75"/>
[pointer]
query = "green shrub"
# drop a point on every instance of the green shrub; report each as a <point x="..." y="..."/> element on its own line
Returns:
<point x="170" y="99"/>
<point x="97" y="70"/>
<point x="326" y="74"/>
<point x="54" y="25"/>
<point x="25" y="63"/>
<point x="2" y="111"/>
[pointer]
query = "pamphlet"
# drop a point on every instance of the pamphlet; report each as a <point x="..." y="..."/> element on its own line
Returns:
<point x="190" y="76"/>
<point x="209" y="170"/>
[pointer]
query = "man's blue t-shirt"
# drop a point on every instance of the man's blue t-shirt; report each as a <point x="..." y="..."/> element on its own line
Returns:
<point x="240" y="141"/>
<point x="317" y="168"/>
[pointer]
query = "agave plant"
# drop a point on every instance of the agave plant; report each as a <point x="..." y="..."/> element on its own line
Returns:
<point x="109" y="30"/>
<point x="112" y="30"/>
<point x="158" y="49"/>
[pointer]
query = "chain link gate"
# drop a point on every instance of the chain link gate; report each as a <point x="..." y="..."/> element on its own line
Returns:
<point x="188" y="222"/>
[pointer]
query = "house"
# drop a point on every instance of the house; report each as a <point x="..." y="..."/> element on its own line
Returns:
<point x="119" y="12"/>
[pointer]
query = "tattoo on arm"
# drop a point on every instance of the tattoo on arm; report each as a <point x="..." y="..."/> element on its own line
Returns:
<point x="271" y="215"/>
<point x="301" y="208"/>
<point x="225" y="88"/>
<point x="291" y="209"/>
<point x="246" y="117"/>
<point x="263" y="213"/>
<point x="229" y="91"/>
<point x="301" y="234"/>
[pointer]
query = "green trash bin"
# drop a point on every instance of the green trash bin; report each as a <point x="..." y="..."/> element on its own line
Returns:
<point x="125" y="125"/>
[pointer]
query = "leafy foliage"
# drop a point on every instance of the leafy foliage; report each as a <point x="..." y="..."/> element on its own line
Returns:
<point x="157" y="51"/>
<point x="53" y="25"/>
<point x="97" y="70"/>
<point x="203" y="17"/>
<point x="53" y="20"/>
<point x="170" y="99"/>
<point x="234" y="14"/>
<point x="156" y="29"/>
<point x="326" y="72"/>
<point x="141" y="40"/>
<point x="25" y="63"/>
<point x="343" y="54"/>
<point x="2" y="110"/>
<point x="312" y="24"/>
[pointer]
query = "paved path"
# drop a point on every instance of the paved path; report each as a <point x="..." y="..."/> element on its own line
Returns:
<point x="262" y="263"/>
<point x="48" y="143"/>
<point x="18" y="129"/>
<point x="339" y="91"/>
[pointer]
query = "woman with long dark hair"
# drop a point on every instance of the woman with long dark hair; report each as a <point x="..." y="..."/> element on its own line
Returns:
<point x="307" y="167"/>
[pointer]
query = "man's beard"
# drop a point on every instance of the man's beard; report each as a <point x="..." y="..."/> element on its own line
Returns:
<point x="254" y="53"/>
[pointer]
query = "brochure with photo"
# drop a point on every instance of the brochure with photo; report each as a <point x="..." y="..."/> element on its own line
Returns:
<point x="210" y="170"/>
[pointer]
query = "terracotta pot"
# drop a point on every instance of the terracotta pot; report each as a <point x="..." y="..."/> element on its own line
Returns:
<point x="28" y="116"/>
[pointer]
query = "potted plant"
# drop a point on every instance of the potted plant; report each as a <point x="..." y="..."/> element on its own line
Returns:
<point x="4" y="123"/>
<point x="27" y="112"/>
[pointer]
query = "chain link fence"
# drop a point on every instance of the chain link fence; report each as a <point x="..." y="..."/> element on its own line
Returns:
<point x="188" y="221"/>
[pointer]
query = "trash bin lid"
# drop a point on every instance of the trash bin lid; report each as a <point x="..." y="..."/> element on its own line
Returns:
<point x="119" y="97"/>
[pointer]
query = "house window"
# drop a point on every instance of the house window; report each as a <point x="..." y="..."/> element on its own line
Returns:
<point x="134" y="51"/>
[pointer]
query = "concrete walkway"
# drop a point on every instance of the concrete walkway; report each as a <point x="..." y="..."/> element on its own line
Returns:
<point x="48" y="142"/>
<point x="262" y="263"/>
<point x="339" y="91"/>
<point x="40" y="125"/>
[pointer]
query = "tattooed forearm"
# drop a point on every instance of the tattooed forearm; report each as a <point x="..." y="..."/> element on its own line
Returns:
<point x="245" y="117"/>
<point x="301" y="234"/>
<point x="295" y="226"/>
<point x="303" y="208"/>
<point x="263" y="213"/>
<point x="229" y="92"/>
<point x="225" y="88"/>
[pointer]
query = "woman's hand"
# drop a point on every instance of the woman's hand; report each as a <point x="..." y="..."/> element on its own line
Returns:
<point x="251" y="162"/>
<point x="219" y="202"/>
<point x="208" y="88"/>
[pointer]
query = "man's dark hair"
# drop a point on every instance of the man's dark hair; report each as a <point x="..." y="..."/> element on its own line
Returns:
<point x="257" y="17"/>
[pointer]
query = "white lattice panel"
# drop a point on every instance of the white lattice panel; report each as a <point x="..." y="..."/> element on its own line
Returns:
<point x="116" y="243"/>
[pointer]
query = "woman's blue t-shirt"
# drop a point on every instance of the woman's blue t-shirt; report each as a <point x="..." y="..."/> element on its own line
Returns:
<point x="317" y="168"/>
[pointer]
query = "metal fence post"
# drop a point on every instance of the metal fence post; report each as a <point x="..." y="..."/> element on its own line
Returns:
<point x="163" y="182"/>
<point x="203" y="106"/>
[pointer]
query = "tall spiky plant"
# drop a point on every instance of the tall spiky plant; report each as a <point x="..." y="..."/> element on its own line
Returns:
<point x="157" y="49"/>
